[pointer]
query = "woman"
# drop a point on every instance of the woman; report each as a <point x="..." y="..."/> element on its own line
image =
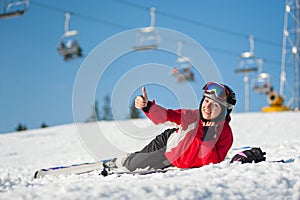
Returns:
<point x="199" y="137"/>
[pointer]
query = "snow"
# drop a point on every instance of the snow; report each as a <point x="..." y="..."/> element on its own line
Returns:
<point x="22" y="153"/>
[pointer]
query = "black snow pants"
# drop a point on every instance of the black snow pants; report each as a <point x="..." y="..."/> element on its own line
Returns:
<point x="152" y="155"/>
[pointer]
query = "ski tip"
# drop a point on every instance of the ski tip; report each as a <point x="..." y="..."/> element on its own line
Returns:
<point x="290" y="160"/>
<point x="36" y="174"/>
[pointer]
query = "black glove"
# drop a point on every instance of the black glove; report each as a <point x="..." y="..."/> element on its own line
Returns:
<point x="248" y="156"/>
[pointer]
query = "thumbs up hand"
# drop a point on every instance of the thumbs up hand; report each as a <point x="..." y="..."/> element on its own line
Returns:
<point x="141" y="101"/>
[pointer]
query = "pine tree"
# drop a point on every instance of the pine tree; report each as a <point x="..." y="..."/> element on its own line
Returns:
<point x="106" y="109"/>
<point x="95" y="116"/>
<point x="44" y="125"/>
<point x="21" y="127"/>
<point x="97" y="113"/>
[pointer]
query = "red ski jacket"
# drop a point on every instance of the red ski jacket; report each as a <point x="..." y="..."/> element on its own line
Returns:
<point x="186" y="147"/>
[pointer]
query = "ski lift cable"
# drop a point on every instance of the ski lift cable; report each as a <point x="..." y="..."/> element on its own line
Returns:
<point x="159" y="12"/>
<point x="90" y="18"/>
<point x="222" y="51"/>
<point x="48" y="7"/>
<point x="82" y="16"/>
<point x="121" y="26"/>
<point x="215" y="28"/>
<point x="198" y="23"/>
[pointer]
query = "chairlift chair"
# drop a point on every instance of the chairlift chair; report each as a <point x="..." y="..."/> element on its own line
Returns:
<point x="247" y="65"/>
<point x="248" y="61"/>
<point x="262" y="83"/>
<point x="183" y="70"/>
<point x="13" y="8"/>
<point x="69" y="45"/>
<point x="147" y="38"/>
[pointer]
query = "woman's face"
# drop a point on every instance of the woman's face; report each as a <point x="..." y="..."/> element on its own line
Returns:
<point x="210" y="109"/>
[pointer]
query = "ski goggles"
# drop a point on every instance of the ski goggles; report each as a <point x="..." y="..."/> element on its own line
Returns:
<point x="217" y="89"/>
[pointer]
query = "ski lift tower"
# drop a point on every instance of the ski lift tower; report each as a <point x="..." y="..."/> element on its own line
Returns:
<point x="291" y="48"/>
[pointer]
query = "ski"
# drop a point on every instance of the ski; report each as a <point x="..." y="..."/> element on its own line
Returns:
<point x="289" y="160"/>
<point x="83" y="168"/>
<point x="100" y="166"/>
<point x="71" y="169"/>
<point x="107" y="172"/>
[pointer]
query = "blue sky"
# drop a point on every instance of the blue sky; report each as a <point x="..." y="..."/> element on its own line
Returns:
<point x="37" y="85"/>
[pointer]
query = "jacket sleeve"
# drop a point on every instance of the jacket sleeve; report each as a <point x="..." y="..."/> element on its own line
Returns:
<point x="158" y="114"/>
<point x="224" y="143"/>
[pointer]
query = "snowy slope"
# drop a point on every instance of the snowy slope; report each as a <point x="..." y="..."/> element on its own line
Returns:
<point x="276" y="133"/>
